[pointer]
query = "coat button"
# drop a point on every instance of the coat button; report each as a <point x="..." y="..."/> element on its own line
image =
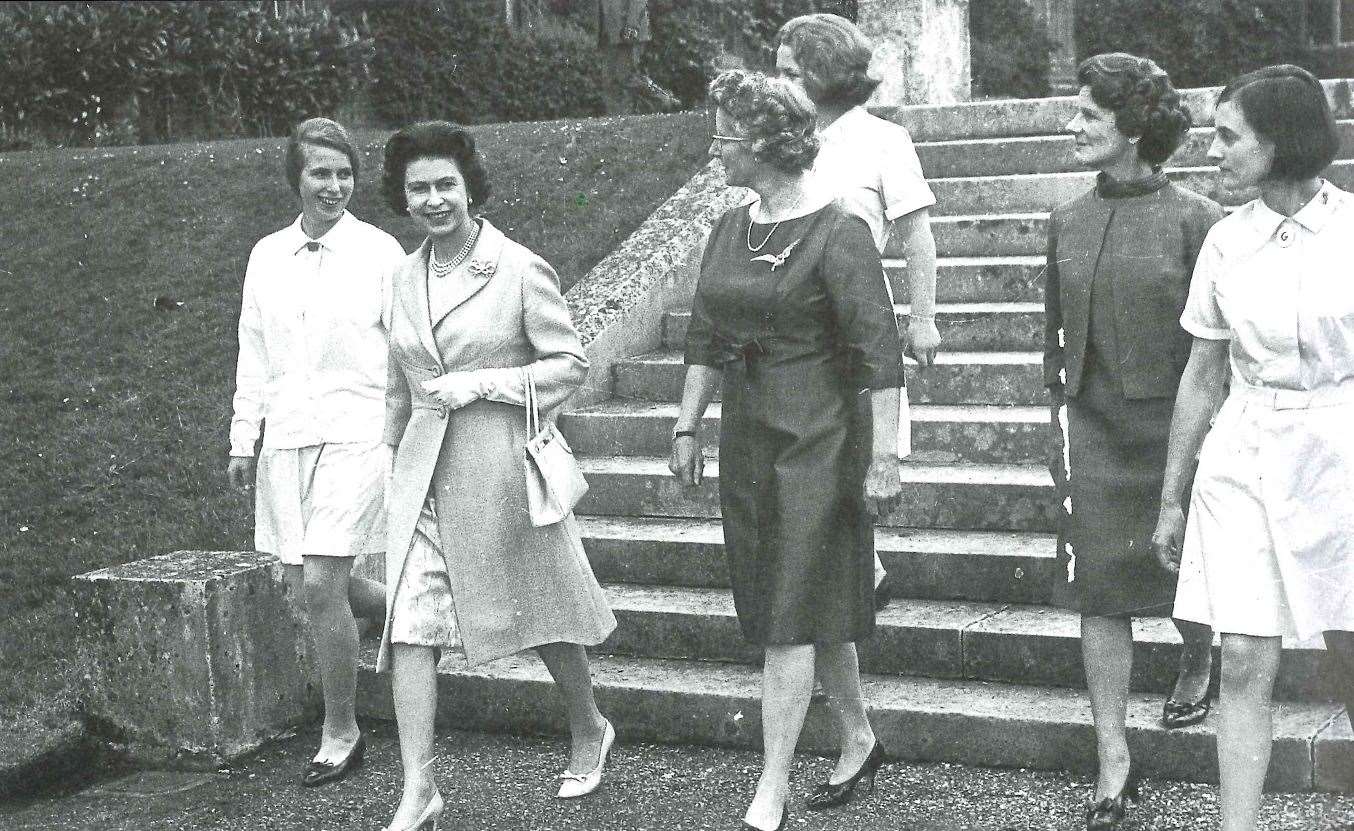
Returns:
<point x="442" y="412"/>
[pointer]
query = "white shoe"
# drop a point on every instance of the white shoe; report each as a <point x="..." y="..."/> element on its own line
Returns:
<point x="582" y="784"/>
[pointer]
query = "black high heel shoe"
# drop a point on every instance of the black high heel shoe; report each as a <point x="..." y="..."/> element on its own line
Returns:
<point x="784" y="815"/>
<point x="319" y="773"/>
<point x="1108" y="813"/>
<point x="828" y="795"/>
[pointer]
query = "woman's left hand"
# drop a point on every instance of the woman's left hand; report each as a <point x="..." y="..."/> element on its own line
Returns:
<point x="883" y="486"/>
<point x="455" y="389"/>
<point x="923" y="340"/>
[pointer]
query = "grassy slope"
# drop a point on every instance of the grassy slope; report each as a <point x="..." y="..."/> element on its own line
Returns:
<point x="114" y="415"/>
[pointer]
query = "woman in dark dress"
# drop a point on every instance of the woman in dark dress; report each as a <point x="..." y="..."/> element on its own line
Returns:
<point x="1119" y="264"/>
<point x="792" y="313"/>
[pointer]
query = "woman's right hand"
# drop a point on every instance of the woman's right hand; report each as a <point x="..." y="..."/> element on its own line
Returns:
<point x="240" y="473"/>
<point x="686" y="461"/>
<point x="1169" y="536"/>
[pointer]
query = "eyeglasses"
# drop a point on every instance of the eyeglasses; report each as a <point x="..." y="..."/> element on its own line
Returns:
<point x="718" y="137"/>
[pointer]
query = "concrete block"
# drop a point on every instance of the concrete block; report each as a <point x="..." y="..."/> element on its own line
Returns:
<point x="199" y="656"/>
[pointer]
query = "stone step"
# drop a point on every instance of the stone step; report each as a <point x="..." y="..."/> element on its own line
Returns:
<point x="940" y="433"/>
<point x="1053" y="154"/>
<point x="917" y="719"/>
<point x="984" y="235"/>
<point x="1049" y="116"/>
<point x="994" y="378"/>
<point x="999" y="279"/>
<point x="963" y="327"/>
<point x="927" y="563"/>
<point x="1045" y="191"/>
<point x="1027" y="645"/>
<point x="969" y="497"/>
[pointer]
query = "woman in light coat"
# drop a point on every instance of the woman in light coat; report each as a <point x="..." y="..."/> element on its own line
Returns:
<point x="471" y="313"/>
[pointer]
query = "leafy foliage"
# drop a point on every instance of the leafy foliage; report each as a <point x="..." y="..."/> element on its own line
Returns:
<point x="693" y="39"/>
<point x="1199" y="42"/>
<point x="1009" y="50"/>
<point x="116" y="73"/>
<point x="463" y="64"/>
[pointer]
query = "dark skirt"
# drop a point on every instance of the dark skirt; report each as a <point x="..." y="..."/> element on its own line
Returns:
<point x="794" y="447"/>
<point x="1117" y="456"/>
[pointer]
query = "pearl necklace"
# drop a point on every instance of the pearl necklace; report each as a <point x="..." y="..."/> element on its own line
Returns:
<point x="793" y="208"/>
<point x="438" y="269"/>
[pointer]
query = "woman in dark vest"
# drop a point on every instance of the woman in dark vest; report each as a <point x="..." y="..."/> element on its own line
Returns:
<point x="1119" y="264"/>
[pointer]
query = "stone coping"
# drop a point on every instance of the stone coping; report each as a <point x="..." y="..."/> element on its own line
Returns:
<point x="660" y="245"/>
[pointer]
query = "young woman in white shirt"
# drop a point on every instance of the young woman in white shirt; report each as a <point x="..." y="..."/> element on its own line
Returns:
<point x="1268" y="550"/>
<point x="312" y="365"/>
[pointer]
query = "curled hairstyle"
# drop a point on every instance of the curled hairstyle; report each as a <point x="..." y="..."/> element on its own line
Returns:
<point x="835" y="52"/>
<point x="1144" y="103"/>
<point x="776" y="114"/>
<point x="433" y="140"/>
<point x="320" y="132"/>
<point x="1286" y="105"/>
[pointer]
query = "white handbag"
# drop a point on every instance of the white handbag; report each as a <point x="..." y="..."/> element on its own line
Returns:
<point x="555" y="480"/>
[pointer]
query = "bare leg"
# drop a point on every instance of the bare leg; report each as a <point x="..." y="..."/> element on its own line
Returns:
<point x="1196" y="661"/>
<point x="367" y="598"/>
<point x="1107" y="655"/>
<point x="839" y="668"/>
<point x="334" y="634"/>
<point x="1340" y="652"/>
<point x="787" y="678"/>
<point x="414" y="687"/>
<point x="1245" y="726"/>
<point x="568" y="665"/>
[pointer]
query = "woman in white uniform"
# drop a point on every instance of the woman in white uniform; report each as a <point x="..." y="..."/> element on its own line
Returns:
<point x="1269" y="546"/>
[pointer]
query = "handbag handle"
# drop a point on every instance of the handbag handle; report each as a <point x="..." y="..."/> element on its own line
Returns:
<point x="533" y="405"/>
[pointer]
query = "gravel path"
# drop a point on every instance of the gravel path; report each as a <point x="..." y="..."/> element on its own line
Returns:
<point x="503" y="782"/>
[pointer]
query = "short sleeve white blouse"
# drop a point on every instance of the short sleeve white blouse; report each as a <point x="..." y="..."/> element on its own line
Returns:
<point x="872" y="167"/>
<point x="1281" y="289"/>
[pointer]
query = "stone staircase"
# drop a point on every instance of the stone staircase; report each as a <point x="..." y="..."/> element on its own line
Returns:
<point x="971" y="664"/>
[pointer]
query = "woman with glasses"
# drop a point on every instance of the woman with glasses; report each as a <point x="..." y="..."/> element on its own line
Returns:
<point x="1119" y="263"/>
<point x="792" y="314"/>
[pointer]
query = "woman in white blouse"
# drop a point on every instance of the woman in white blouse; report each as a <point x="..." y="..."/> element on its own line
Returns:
<point x="313" y="367"/>
<point x="1268" y="550"/>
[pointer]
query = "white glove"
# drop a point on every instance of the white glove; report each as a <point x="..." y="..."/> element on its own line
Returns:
<point x="456" y="389"/>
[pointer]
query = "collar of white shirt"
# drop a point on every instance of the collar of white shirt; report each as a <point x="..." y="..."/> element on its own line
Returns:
<point x="1313" y="216"/>
<point x="843" y="123"/>
<point x="334" y="239"/>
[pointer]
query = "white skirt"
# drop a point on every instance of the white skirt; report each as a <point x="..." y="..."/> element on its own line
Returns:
<point x="1269" y="547"/>
<point x="325" y="500"/>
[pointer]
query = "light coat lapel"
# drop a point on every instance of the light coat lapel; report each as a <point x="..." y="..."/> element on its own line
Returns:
<point x="415" y="301"/>
<point x="480" y="270"/>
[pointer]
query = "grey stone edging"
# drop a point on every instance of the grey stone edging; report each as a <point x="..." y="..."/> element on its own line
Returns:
<point x="618" y="306"/>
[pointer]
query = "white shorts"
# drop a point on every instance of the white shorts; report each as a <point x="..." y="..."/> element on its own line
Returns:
<point x="324" y="500"/>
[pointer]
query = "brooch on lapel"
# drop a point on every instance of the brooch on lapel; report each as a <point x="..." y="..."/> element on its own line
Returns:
<point x="776" y="260"/>
<point x="481" y="268"/>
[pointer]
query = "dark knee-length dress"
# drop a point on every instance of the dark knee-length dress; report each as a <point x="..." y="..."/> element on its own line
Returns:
<point x="1119" y="266"/>
<point x="802" y="328"/>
